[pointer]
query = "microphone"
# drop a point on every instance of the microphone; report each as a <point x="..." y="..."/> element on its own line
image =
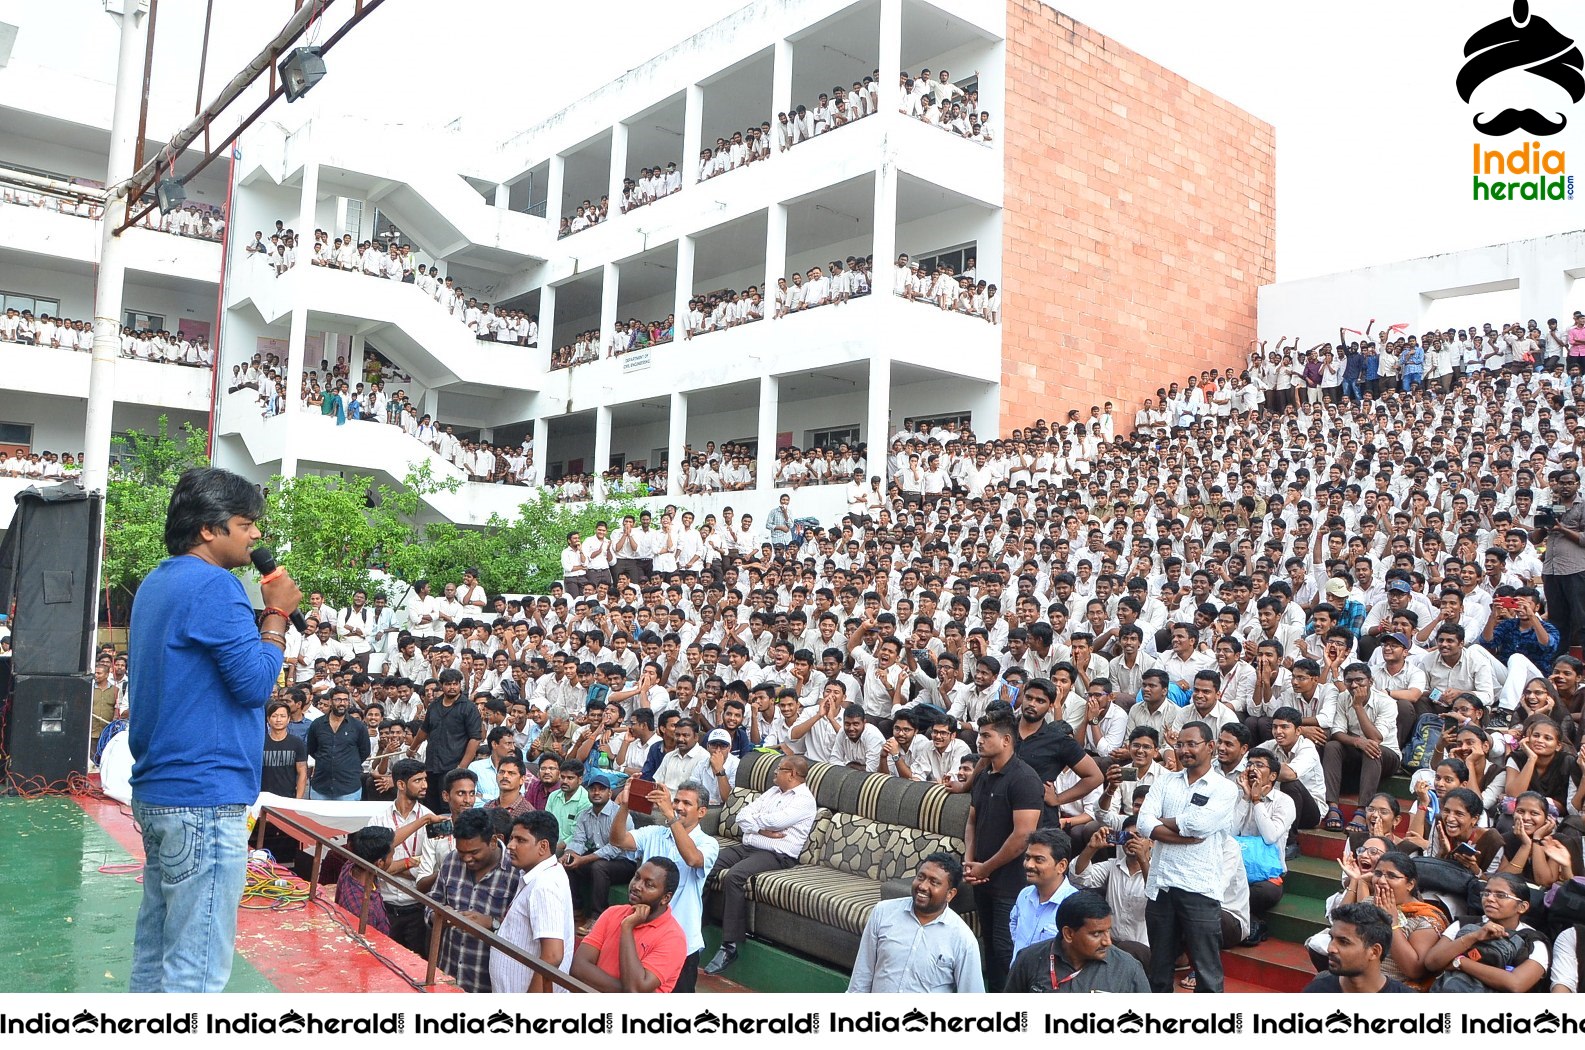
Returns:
<point x="264" y="560"/>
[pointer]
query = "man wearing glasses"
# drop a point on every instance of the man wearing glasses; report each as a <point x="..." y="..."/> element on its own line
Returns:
<point x="1188" y="814"/>
<point x="1364" y="734"/>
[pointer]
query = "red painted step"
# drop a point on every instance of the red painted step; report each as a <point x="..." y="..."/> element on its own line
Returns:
<point x="1229" y="985"/>
<point x="1273" y="966"/>
<point x="1324" y="844"/>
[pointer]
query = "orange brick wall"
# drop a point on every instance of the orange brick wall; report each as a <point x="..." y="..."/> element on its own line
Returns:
<point x="1139" y="223"/>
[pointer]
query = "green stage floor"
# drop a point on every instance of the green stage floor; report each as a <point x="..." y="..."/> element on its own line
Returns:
<point x="64" y="926"/>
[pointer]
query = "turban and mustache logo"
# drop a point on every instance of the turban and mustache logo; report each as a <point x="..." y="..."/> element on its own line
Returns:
<point x="1527" y="42"/>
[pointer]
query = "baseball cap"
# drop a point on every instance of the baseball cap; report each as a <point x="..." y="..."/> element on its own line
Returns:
<point x="1400" y="587"/>
<point x="1337" y="588"/>
<point x="599" y="778"/>
<point x="718" y="736"/>
<point x="1396" y="637"/>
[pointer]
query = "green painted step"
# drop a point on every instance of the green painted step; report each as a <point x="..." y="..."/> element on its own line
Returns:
<point x="1296" y="918"/>
<point x="1312" y="877"/>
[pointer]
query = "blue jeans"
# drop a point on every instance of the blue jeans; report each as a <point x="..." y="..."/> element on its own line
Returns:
<point x="318" y="796"/>
<point x="1351" y="389"/>
<point x="197" y="860"/>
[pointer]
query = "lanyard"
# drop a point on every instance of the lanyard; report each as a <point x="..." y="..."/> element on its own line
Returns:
<point x="1056" y="985"/>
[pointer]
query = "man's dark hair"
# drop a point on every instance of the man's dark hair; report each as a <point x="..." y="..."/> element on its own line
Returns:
<point x="471" y="823"/>
<point x="456" y="775"/>
<point x="1000" y="721"/>
<point x="209" y="497"/>
<point x="372" y="843"/>
<point x="514" y="760"/>
<point x="405" y="769"/>
<point x="1372" y="923"/>
<point x="673" y="875"/>
<point x="1078" y="908"/>
<point x="542" y="824"/>
<point x="1055" y="839"/>
<point x="948" y="863"/>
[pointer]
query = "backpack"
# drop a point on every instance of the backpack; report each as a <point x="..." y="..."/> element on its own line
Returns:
<point x="1428" y="729"/>
<point x="1504" y="952"/>
<point x="1565" y="906"/>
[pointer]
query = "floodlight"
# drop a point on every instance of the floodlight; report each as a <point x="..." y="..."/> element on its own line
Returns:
<point x="301" y="69"/>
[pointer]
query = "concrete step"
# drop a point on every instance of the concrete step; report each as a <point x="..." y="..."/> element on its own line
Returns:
<point x="1317" y="877"/>
<point x="1296" y="918"/>
<point x="1327" y="845"/>
<point x="1273" y="966"/>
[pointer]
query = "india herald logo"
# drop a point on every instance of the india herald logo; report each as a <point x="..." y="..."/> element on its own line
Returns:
<point x="1531" y="43"/>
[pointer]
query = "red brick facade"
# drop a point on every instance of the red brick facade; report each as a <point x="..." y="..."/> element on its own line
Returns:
<point x="1139" y="223"/>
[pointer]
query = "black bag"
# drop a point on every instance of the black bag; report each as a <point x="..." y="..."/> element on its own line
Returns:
<point x="1437" y="875"/>
<point x="1566" y="906"/>
<point x="1504" y="953"/>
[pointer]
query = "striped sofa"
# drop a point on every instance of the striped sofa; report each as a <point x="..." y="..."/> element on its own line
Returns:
<point x="869" y="836"/>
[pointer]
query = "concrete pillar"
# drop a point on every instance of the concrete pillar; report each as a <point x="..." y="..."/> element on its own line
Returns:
<point x="765" y="457"/>
<point x="676" y="441"/>
<point x="341" y="218"/>
<point x="609" y="286"/>
<point x="692" y="133"/>
<point x="1544" y="287"/>
<point x="685" y="250"/>
<point x="602" y="441"/>
<point x="890" y="55"/>
<point x="877" y="423"/>
<point x="884" y="243"/>
<point x="487" y="435"/>
<point x="431" y="405"/>
<point x="781" y="72"/>
<point x="503" y="195"/>
<point x="555" y="183"/>
<point x="618" y="166"/>
<point x="547" y="317"/>
<point x="541" y="448"/>
<point x="775" y="253"/>
<point x="355" y="356"/>
<point x="297" y="338"/>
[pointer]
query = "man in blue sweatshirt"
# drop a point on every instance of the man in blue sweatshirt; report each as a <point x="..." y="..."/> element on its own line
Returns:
<point x="205" y="670"/>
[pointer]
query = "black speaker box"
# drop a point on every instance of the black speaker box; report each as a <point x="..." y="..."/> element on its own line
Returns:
<point x="50" y="564"/>
<point x="48" y="729"/>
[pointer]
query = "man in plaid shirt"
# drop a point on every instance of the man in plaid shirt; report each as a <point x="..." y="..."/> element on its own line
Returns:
<point x="478" y="880"/>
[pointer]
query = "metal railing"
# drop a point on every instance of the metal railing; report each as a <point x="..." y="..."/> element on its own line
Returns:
<point x="441" y="915"/>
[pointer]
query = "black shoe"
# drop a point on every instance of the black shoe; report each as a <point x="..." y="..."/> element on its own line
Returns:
<point x="1257" y="934"/>
<point x="1293" y="850"/>
<point x="723" y="958"/>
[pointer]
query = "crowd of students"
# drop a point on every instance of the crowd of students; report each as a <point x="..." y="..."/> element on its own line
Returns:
<point x="202" y="221"/>
<point x="1284" y="608"/>
<point x="65" y="333"/>
<point x="935" y="100"/>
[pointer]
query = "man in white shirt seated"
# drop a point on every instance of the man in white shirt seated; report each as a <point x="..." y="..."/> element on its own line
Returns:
<point x="775" y="828"/>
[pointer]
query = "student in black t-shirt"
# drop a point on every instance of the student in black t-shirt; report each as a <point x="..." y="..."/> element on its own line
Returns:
<point x="1361" y="933"/>
<point x="285" y="772"/>
<point x="285" y="755"/>
<point x="1008" y="799"/>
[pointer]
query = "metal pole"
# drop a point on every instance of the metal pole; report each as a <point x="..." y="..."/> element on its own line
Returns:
<point x="112" y="267"/>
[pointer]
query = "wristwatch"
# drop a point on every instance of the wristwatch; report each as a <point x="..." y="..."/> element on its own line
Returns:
<point x="1458" y="962"/>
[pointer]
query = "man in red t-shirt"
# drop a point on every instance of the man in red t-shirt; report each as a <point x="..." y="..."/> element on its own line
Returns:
<point x="636" y="947"/>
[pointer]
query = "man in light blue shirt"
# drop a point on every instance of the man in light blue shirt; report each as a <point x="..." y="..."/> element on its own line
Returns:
<point x="676" y="835"/>
<point x="1034" y="915"/>
<point x="917" y="943"/>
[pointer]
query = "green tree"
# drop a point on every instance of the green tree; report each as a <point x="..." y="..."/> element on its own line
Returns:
<point x="137" y="498"/>
<point x="521" y="555"/>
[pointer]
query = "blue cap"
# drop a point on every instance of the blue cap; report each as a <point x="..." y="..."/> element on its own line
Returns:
<point x="1399" y="586"/>
<point x="1396" y="636"/>
<point x="599" y="778"/>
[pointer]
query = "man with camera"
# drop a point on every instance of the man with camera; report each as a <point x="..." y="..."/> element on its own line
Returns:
<point x="1563" y="565"/>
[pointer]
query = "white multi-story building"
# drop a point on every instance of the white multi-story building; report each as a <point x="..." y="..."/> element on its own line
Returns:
<point x="1049" y="199"/>
<point x="488" y="213"/>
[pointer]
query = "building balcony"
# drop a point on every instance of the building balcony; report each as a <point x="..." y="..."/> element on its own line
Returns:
<point x="410" y="328"/>
<point x="406" y="171"/>
<point x="832" y="336"/>
<point x="64" y="373"/>
<point x="71" y="242"/>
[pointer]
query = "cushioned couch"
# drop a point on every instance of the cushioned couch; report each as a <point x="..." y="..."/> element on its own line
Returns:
<point x="869" y="836"/>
